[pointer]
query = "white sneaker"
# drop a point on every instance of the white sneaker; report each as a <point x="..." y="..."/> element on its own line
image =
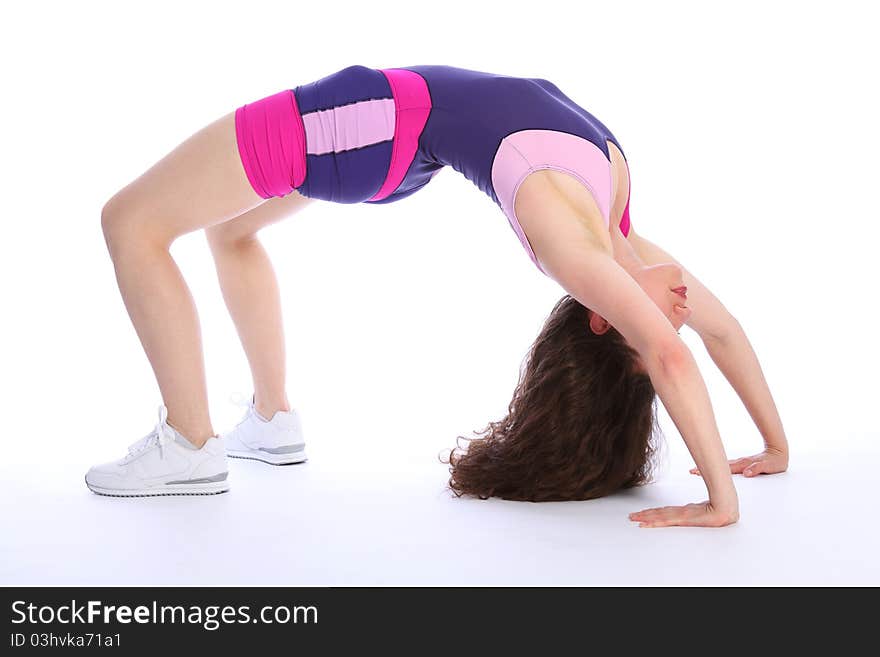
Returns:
<point x="278" y="441"/>
<point x="163" y="463"/>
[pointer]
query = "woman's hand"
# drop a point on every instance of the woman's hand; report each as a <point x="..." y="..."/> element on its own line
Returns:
<point x="770" y="461"/>
<point x="701" y="514"/>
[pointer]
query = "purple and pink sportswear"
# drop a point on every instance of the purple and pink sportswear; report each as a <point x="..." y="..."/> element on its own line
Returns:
<point x="365" y="135"/>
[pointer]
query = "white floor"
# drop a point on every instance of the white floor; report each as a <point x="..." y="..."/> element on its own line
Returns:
<point x="340" y="521"/>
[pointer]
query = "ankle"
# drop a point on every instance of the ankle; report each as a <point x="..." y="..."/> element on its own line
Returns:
<point x="267" y="408"/>
<point x="196" y="436"/>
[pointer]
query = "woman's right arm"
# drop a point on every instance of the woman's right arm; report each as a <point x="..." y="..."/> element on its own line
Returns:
<point x="599" y="283"/>
<point x="582" y="264"/>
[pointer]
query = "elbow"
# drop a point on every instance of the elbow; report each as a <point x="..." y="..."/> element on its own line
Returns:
<point x="670" y="356"/>
<point x="722" y="330"/>
<point x="675" y="356"/>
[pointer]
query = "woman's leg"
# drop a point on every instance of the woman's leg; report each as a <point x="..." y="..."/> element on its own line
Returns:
<point x="200" y="183"/>
<point x="250" y="290"/>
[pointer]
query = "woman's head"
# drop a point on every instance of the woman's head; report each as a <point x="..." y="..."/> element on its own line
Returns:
<point x="581" y="423"/>
<point x="665" y="285"/>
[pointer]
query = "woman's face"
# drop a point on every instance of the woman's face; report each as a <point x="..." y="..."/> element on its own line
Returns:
<point x="665" y="285"/>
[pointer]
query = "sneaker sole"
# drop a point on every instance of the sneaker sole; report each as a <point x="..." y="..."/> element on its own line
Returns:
<point x="271" y="459"/>
<point x="213" y="488"/>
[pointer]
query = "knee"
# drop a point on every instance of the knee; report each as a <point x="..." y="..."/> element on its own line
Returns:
<point x="110" y="223"/>
<point x="125" y="229"/>
<point x="224" y="238"/>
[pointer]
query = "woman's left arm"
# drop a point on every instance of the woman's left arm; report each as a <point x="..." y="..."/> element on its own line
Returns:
<point x="731" y="351"/>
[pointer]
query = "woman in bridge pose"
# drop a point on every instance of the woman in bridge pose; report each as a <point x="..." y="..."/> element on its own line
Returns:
<point x="582" y="421"/>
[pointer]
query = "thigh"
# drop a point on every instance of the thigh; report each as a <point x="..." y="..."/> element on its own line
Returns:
<point x="200" y="183"/>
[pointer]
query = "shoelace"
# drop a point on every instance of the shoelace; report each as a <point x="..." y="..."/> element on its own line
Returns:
<point x="240" y="399"/>
<point x="158" y="436"/>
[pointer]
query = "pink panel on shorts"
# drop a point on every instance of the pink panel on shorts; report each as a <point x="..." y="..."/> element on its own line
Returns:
<point x="412" y="104"/>
<point x="271" y="143"/>
<point x="350" y="126"/>
<point x="529" y="150"/>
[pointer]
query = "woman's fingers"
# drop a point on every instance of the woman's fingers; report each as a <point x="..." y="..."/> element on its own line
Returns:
<point x="689" y="515"/>
<point x="738" y="465"/>
<point x="655" y="510"/>
<point x="663" y="517"/>
<point x="755" y="468"/>
<point x="658" y="513"/>
<point x="667" y="522"/>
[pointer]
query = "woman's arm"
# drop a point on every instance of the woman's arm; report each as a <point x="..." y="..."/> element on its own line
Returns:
<point x="731" y="351"/>
<point x="580" y="262"/>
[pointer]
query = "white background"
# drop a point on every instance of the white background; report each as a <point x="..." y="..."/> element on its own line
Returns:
<point x="752" y="138"/>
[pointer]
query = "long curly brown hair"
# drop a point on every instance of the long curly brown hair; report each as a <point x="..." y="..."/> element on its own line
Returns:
<point x="582" y="422"/>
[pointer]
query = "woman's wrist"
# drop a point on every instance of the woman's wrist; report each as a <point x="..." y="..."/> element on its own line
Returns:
<point x="724" y="498"/>
<point x="777" y="447"/>
<point x="726" y="506"/>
